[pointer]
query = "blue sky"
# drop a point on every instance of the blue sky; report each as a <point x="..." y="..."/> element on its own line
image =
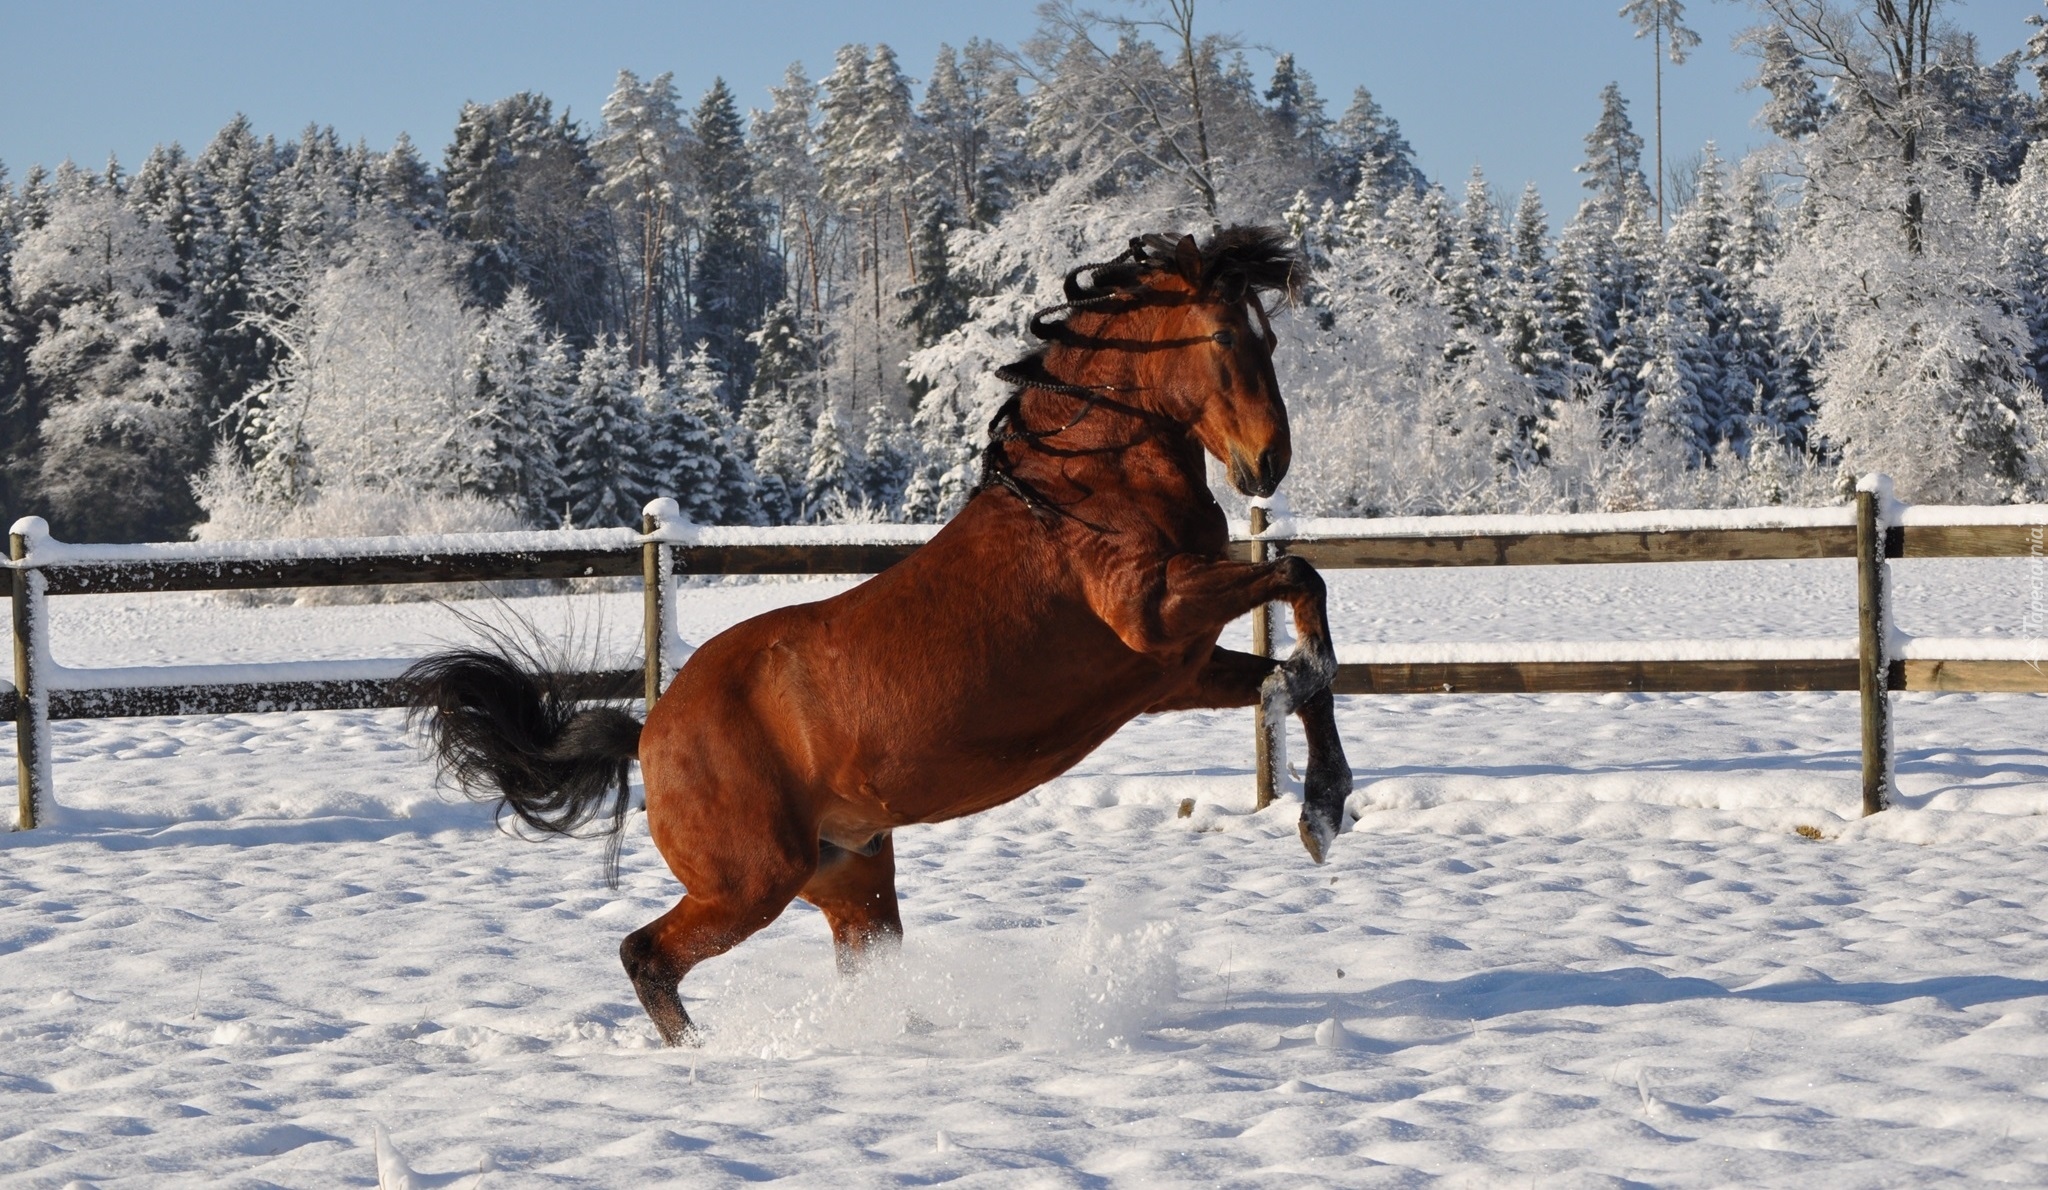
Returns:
<point x="1508" y="84"/>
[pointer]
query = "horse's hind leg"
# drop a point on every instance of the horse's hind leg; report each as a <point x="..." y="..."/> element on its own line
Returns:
<point x="703" y="924"/>
<point x="856" y="891"/>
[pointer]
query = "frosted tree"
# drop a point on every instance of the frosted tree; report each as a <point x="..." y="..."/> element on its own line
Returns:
<point x="781" y="141"/>
<point x="1793" y="106"/>
<point x="605" y="458"/>
<point x="118" y="433"/>
<point x="235" y="353"/>
<point x="373" y="390"/>
<point x="733" y="277"/>
<point x="681" y="455"/>
<point x="519" y="182"/>
<point x="2026" y="255"/>
<point x="1922" y="366"/>
<point x="701" y="391"/>
<point x="406" y="186"/>
<point x="519" y="378"/>
<point x="778" y="413"/>
<point x="1474" y="274"/>
<point x="644" y="150"/>
<point x="1529" y="334"/>
<point x="1677" y="382"/>
<point x="828" y="474"/>
<point x="885" y="462"/>
<point x="1372" y="161"/>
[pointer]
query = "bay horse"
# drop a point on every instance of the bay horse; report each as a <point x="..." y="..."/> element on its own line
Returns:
<point x="1084" y="583"/>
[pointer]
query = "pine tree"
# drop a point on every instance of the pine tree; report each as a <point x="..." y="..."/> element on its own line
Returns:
<point x="407" y="187"/>
<point x="1794" y="109"/>
<point x="781" y="141"/>
<point x="518" y="183"/>
<point x="605" y="460"/>
<point x="733" y="279"/>
<point x="1369" y="155"/>
<point x="1474" y="274"/>
<point x="682" y="458"/>
<point x="937" y="302"/>
<point x="644" y="150"/>
<point x="1664" y="21"/>
<point x="778" y="413"/>
<point x="885" y="459"/>
<point x="828" y="473"/>
<point x="701" y="390"/>
<point x="519" y="378"/>
<point x="1297" y="107"/>
<point x="234" y="352"/>
<point x="1614" y="154"/>
<point x="1529" y="332"/>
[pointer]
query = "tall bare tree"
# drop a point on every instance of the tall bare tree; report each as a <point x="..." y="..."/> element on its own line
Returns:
<point x="1662" y="21"/>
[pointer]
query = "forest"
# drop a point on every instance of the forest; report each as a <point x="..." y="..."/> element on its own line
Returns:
<point x="794" y="314"/>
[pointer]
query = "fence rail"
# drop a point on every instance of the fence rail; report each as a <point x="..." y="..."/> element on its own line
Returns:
<point x="1873" y="531"/>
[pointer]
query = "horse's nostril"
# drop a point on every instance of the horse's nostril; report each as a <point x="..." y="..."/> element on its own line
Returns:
<point x="1272" y="469"/>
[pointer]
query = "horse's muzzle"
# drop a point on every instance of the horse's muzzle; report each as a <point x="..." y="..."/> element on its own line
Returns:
<point x="1262" y="480"/>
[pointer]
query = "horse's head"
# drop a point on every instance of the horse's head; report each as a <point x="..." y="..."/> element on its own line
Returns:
<point x="1183" y="328"/>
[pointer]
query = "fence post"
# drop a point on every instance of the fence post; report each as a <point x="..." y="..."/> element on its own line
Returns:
<point x="32" y="701"/>
<point x="1873" y="640"/>
<point x="654" y="578"/>
<point x="1266" y="746"/>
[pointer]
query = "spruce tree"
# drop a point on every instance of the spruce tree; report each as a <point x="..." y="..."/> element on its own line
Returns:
<point x="778" y="415"/>
<point x="733" y="278"/>
<point x="1368" y="154"/>
<point x="828" y="472"/>
<point x="519" y="379"/>
<point x="605" y="459"/>
<point x="682" y="457"/>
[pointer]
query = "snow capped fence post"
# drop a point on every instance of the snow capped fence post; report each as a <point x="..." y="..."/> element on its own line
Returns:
<point x="31" y="698"/>
<point x="1874" y="630"/>
<point x="1269" y="739"/>
<point x="656" y="568"/>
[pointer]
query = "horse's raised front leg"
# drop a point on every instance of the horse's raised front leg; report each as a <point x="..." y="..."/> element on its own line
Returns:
<point x="1233" y="679"/>
<point x="1203" y="595"/>
<point x="856" y="891"/>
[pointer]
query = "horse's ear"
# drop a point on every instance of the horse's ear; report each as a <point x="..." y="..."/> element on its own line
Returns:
<point x="1188" y="260"/>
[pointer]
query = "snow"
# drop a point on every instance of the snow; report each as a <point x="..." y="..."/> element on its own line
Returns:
<point x="1570" y="939"/>
<point x="1527" y="652"/>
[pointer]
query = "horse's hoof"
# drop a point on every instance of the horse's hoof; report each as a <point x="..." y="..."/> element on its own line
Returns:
<point x="1316" y="839"/>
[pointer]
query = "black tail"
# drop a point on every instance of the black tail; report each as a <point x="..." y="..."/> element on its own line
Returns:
<point x="505" y="727"/>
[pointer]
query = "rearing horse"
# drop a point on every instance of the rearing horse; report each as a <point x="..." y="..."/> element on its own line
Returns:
<point x="1083" y="584"/>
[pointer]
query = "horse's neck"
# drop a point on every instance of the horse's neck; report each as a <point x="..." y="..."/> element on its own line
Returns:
<point x="1105" y="453"/>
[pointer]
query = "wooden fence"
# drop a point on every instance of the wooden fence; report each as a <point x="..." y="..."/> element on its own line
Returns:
<point x="1874" y="530"/>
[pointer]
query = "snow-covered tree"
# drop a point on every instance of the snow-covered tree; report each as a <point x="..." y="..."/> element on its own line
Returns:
<point x="101" y="288"/>
<point x="829" y="479"/>
<point x="605" y="457"/>
<point x="374" y="390"/>
<point x="519" y="379"/>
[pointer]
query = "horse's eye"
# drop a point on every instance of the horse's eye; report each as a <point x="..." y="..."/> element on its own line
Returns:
<point x="1225" y="338"/>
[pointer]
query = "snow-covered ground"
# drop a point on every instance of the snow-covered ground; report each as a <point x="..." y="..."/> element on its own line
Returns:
<point x="1571" y="940"/>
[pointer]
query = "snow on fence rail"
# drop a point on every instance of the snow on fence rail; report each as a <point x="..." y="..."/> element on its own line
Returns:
<point x="1873" y="530"/>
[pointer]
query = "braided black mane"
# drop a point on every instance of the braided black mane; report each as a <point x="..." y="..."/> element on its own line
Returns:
<point x="1236" y="265"/>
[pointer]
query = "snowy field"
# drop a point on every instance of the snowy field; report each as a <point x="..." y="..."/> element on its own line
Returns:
<point x="1570" y="940"/>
